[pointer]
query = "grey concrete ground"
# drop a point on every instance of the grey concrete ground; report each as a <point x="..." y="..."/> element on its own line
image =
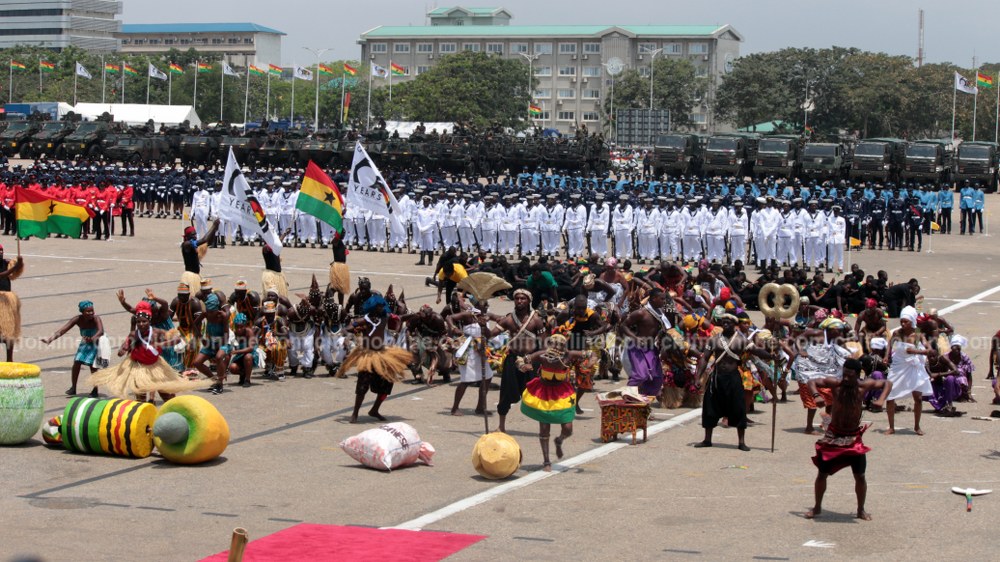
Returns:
<point x="658" y="500"/>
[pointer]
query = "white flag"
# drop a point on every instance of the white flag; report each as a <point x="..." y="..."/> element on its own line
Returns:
<point x="239" y="206"/>
<point x="302" y="73"/>
<point x="81" y="71"/>
<point x="156" y="73"/>
<point x="366" y="188"/>
<point x="963" y="85"/>
<point x="228" y="70"/>
<point x="378" y="71"/>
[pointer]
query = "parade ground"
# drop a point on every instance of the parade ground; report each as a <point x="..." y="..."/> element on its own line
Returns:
<point x="658" y="500"/>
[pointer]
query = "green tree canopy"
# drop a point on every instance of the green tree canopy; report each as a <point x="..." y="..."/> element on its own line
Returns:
<point x="675" y="87"/>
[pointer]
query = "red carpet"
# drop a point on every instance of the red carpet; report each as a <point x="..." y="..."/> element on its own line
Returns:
<point x="307" y="541"/>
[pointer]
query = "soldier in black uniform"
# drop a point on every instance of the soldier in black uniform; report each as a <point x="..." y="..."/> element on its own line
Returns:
<point x="914" y="220"/>
<point x="896" y="220"/>
<point x="877" y="209"/>
<point x="852" y="216"/>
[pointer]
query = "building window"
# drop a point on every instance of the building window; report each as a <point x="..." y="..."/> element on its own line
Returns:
<point x="447" y="48"/>
<point x="471" y="47"/>
<point x="126" y="41"/>
<point x="543" y="71"/>
<point x="379" y="48"/>
<point x="591" y="48"/>
<point x="698" y="48"/>
<point x="518" y="48"/>
<point x="425" y="47"/>
<point x="699" y="118"/>
<point x="567" y="71"/>
<point x="567" y="48"/>
<point x="567" y="93"/>
<point x="495" y="48"/>
<point x="566" y="115"/>
<point x="217" y="41"/>
<point x="701" y="71"/>
<point x="201" y="40"/>
<point x="673" y="49"/>
<point x="591" y="71"/>
<point x="591" y="94"/>
<point x="139" y="42"/>
<point x="643" y="71"/>
<point x="545" y="116"/>
<point x="401" y="48"/>
<point x="185" y="41"/>
<point x="169" y="41"/>
<point x="543" y="93"/>
<point x="29" y="13"/>
<point x="591" y="116"/>
<point x="543" y="48"/>
<point x="422" y="69"/>
<point x="233" y="41"/>
<point x="644" y="48"/>
<point x="154" y="41"/>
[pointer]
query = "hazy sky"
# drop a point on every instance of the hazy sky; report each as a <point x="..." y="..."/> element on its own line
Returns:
<point x="955" y="31"/>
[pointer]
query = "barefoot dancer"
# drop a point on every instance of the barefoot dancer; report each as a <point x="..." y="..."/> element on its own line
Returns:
<point x="471" y="356"/>
<point x="907" y="368"/>
<point x="525" y="326"/>
<point x="91" y="330"/>
<point x="841" y="445"/>
<point x="10" y="305"/>
<point x="378" y="365"/>
<point x="549" y="398"/>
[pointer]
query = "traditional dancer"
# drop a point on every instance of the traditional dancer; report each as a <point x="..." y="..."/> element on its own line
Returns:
<point x="644" y="328"/>
<point x="841" y="445"/>
<point x="471" y="356"/>
<point x="525" y="327"/>
<point x="379" y="366"/>
<point x="582" y="328"/>
<point x="907" y="369"/>
<point x="91" y="330"/>
<point x="186" y="309"/>
<point x="340" y="274"/>
<point x="144" y="372"/>
<point x="272" y="279"/>
<point x="242" y="360"/>
<point x="549" y="398"/>
<point x="10" y="305"/>
<point x="216" y="342"/>
<point x="192" y="250"/>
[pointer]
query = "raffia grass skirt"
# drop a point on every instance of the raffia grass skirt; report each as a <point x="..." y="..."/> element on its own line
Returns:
<point x="131" y="379"/>
<point x="340" y="278"/>
<point x="274" y="281"/>
<point x="10" y="315"/>
<point x="192" y="280"/>
<point x="389" y="363"/>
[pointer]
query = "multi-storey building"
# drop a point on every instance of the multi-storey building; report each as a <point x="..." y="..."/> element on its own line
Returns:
<point x="239" y="43"/>
<point x="57" y="24"/>
<point x="574" y="64"/>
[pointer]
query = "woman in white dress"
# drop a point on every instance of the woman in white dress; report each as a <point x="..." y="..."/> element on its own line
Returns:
<point x="473" y="367"/>
<point x="908" y="368"/>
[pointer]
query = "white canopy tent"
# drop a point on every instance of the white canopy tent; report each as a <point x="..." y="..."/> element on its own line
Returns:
<point x="138" y="113"/>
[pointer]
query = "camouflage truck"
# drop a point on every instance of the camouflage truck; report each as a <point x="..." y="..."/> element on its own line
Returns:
<point x="86" y="141"/>
<point x="281" y="149"/>
<point x="520" y="153"/>
<point x="47" y="141"/>
<point x="731" y="154"/>
<point x="399" y="154"/>
<point x="930" y="160"/>
<point x="879" y="159"/>
<point x="455" y="156"/>
<point x="201" y="149"/>
<point x="978" y="162"/>
<point x="677" y="154"/>
<point x="322" y="148"/>
<point x="16" y="135"/>
<point x="780" y="156"/>
<point x="826" y="160"/>
<point x="133" y="148"/>
<point x="246" y="148"/>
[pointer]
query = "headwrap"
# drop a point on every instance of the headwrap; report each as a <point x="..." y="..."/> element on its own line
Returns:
<point x="611" y="262"/>
<point x="703" y="265"/>
<point x="725" y="294"/>
<point x="183" y="289"/>
<point x="82" y="305"/>
<point x="958" y="340"/>
<point x="374" y="302"/>
<point x="206" y="284"/>
<point x="871" y="303"/>
<point x="524" y="292"/>
<point x="719" y="313"/>
<point x="832" y="324"/>
<point x="820" y="315"/>
<point x="188" y="231"/>
<point x="240" y="319"/>
<point x="144" y="309"/>
<point x="878" y="344"/>
<point x="909" y="313"/>
<point x="270" y="306"/>
<point x="212" y="302"/>
<point x="241" y="285"/>
<point x="588" y="281"/>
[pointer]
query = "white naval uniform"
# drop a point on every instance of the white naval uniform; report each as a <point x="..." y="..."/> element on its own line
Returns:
<point x="623" y="223"/>
<point x="647" y="226"/>
<point x="598" y="223"/>
<point x="575" y="223"/>
<point x="739" y="225"/>
<point x="551" y="225"/>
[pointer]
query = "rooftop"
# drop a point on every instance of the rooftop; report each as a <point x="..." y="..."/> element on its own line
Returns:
<point x="471" y="11"/>
<point x="144" y="28"/>
<point x="545" y="31"/>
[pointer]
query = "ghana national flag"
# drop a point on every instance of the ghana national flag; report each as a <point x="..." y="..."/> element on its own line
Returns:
<point x="130" y="71"/>
<point x="176" y="68"/>
<point x="320" y="197"/>
<point x="323" y="69"/>
<point x="274" y="70"/>
<point x="984" y="80"/>
<point x="112" y="68"/>
<point x="16" y="65"/>
<point x="202" y="67"/>
<point x="350" y="69"/>
<point x="46" y="66"/>
<point x="534" y="110"/>
<point x="396" y="69"/>
<point x="256" y="71"/>
<point x="39" y="215"/>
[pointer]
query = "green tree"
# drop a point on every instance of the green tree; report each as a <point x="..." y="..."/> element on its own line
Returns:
<point x="675" y="87"/>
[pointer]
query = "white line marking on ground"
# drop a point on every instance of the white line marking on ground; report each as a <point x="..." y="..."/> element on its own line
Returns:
<point x="971" y="300"/>
<point x="818" y="544"/>
<point x="531" y="478"/>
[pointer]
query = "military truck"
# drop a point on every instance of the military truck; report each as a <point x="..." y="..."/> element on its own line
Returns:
<point x="779" y="155"/>
<point x="520" y="153"/>
<point x="879" y="159"/>
<point x="930" y="160"/>
<point x="731" y="154"/>
<point x="17" y="133"/>
<point x="201" y="149"/>
<point x="321" y="148"/>
<point x="47" y="141"/>
<point x="677" y="154"/>
<point x="133" y="148"/>
<point x="281" y="150"/>
<point x="398" y="154"/>
<point x="246" y="148"/>
<point x="87" y="140"/>
<point x="826" y="160"/>
<point x="978" y="162"/>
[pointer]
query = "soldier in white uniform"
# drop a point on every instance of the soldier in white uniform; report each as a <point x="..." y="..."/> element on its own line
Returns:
<point x="739" y="226"/>
<point x="530" y="221"/>
<point x="201" y="208"/>
<point x="448" y="219"/>
<point x="551" y="219"/>
<point x="397" y="231"/>
<point x="716" y="227"/>
<point x="286" y="204"/>
<point x="691" y="231"/>
<point x="575" y="223"/>
<point x="490" y="224"/>
<point x="835" y="239"/>
<point x="647" y="226"/>
<point x="425" y="224"/>
<point x="770" y="220"/>
<point x="815" y="232"/>
<point x="670" y="230"/>
<point x="798" y="237"/>
<point x="467" y="223"/>
<point x="623" y="224"/>
<point x="376" y="231"/>
<point x="598" y="224"/>
<point x="786" y="232"/>
<point x="509" y="223"/>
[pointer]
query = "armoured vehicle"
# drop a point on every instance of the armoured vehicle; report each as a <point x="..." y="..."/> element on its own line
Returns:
<point x="779" y="155"/>
<point x="47" y="141"/>
<point x="520" y="153"/>
<point x="978" y="162"/>
<point x="322" y="148"/>
<point x="826" y="160"/>
<point x="731" y="154"/>
<point x="879" y="159"/>
<point x="87" y="140"/>
<point x="201" y="149"/>
<point x="677" y="154"/>
<point x="246" y="148"/>
<point x="135" y="148"/>
<point x="16" y="134"/>
<point x="929" y="160"/>
<point x="281" y="150"/>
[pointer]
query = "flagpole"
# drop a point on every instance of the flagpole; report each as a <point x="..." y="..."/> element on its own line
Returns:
<point x="148" y="78"/>
<point x="246" y="99"/>
<point x="222" y="90"/>
<point x="291" y="110"/>
<point x="10" y="82"/>
<point x="975" y="102"/>
<point x="368" y="109"/>
<point x="996" y="127"/>
<point x="170" y="83"/>
<point x="76" y="78"/>
<point x="39" y="75"/>
<point x="197" y="69"/>
<point x="316" y="103"/>
<point x="954" y="103"/>
<point x="123" y="81"/>
<point x="390" y="80"/>
<point x="267" y="97"/>
<point x="343" y="88"/>
<point x="104" y="79"/>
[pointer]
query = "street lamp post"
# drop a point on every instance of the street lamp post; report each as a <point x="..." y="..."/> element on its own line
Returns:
<point x="531" y="59"/>
<point x="652" y="57"/>
<point x="318" y="53"/>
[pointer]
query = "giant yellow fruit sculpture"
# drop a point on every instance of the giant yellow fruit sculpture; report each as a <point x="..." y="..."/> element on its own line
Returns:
<point x="496" y="456"/>
<point x="190" y="430"/>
